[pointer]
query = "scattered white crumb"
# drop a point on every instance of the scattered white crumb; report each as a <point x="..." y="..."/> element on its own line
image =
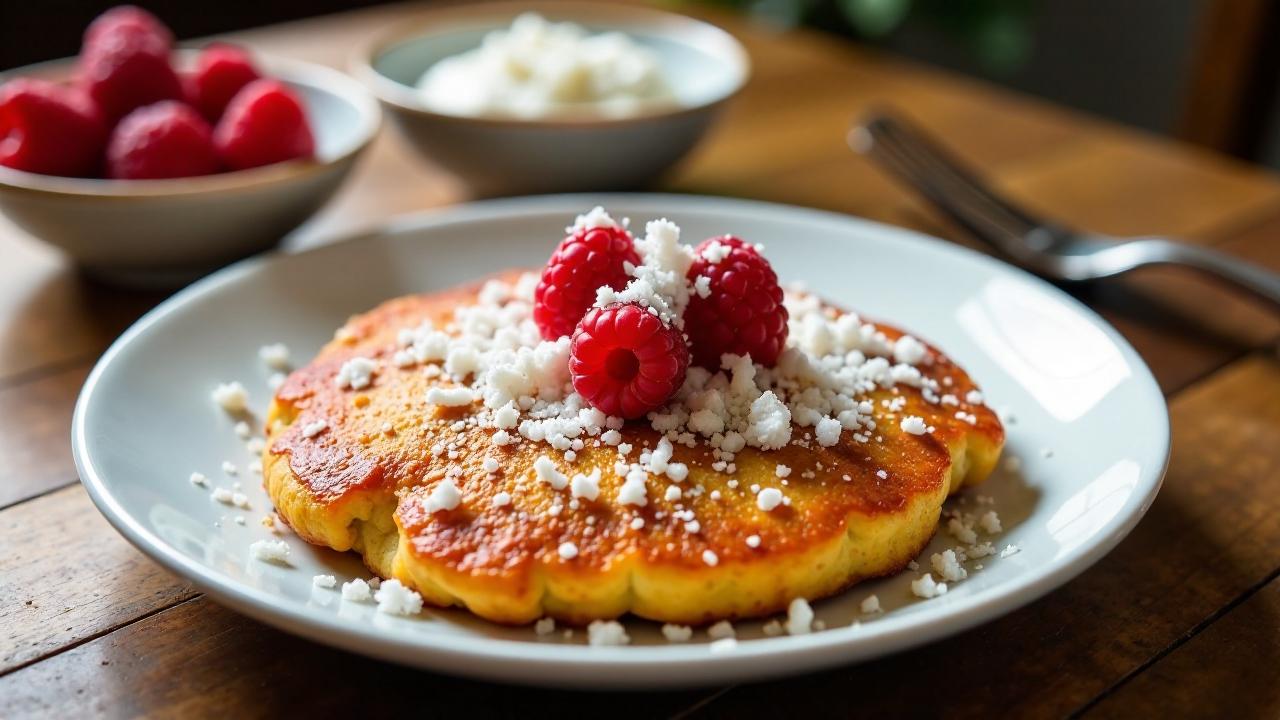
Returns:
<point x="545" y="626"/>
<point x="444" y="496"/>
<point x="567" y="551"/>
<point x="799" y="617"/>
<point x="773" y="628"/>
<point x="768" y="499"/>
<point x="607" y="632"/>
<point x="230" y="468"/>
<point x="313" y="429"/>
<point x="242" y="430"/>
<point x="948" y="566"/>
<point x="502" y="499"/>
<point x="1010" y="550"/>
<point x="925" y="587"/>
<point x="677" y="633"/>
<point x="324" y="581"/>
<point x="722" y="645"/>
<point x="275" y="356"/>
<point x="990" y="522"/>
<point x="356" y="591"/>
<point x="870" y="605"/>
<point x="721" y="630"/>
<point x="231" y="397"/>
<point x="199" y="480"/>
<point x="271" y="551"/>
<point x="396" y="599"/>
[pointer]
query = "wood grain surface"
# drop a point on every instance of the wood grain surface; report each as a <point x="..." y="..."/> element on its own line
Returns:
<point x="1183" y="618"/>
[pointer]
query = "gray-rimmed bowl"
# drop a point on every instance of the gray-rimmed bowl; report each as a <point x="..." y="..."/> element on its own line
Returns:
<point x="500" y="156"/>
<point x="167" y="232"/>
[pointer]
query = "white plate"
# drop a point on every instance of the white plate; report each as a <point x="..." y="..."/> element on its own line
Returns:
<point x="1090" y="427"/>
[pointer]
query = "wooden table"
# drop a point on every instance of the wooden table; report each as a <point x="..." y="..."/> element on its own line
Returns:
<point x="1184" y="616"/>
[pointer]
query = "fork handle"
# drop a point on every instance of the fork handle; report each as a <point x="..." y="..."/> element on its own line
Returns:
<point x="1257" y="280"/>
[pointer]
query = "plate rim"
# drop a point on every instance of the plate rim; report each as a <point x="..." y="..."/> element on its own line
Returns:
<point x="614" y="667"/>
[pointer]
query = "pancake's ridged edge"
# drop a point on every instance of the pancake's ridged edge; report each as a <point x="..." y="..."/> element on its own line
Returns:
<point x="664" y="594"/>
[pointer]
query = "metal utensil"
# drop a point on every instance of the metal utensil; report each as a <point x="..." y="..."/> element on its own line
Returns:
<point x="1046" y="248"/>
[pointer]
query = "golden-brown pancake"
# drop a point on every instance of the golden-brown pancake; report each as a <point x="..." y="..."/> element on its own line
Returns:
<point x="856" y="510"/>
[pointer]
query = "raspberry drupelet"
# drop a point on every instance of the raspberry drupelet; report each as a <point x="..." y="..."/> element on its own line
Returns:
<point x="588" y="259"/>
<point x="625" y="361"/>
<point x="740" y="311"/>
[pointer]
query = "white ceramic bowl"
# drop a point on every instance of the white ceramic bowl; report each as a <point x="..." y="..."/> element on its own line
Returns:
<point x="499" y="156"/>
<point x="166" y="232"/>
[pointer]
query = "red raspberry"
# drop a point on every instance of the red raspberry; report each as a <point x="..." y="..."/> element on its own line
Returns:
<point x="264" y="124"/>
<point x="49" y="129"/>
<point x="221" y="71"/>
<point x="584" y="261"/>
<point x="124" y="66"/>
<point x="743" y="314"/>
<point x="625" y="361"/>
<point x="165" y="140"/>
<point x="128" y="15"/>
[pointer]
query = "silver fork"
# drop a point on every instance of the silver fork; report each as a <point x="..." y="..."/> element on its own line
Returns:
<point x="1046" y="248"/>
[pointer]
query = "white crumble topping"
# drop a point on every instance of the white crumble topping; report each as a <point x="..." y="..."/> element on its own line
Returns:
<point x="489" y="465"/>
<point x="270" y="551"/>
<point x="962" y="531"/>
<point x="586" y="486"/>
<point x="594" y="218"/>
<point x="768" y="499"/>
<point x="567" y="551"/>
<point x="799" y="617"/>
<point x="948" y="567"/>
<point x="710" y="558"/>
<point x="313" y="429"/>
<point x="356" y="591"/>
<point x="394" y="598"/>
<point x="926" y="588"/>
<point x="356" y="373"/>
<point x="607" y="632"/>
<point x="753" y="541"/>
<point x="444" y="496"/>
<point x="870" y="605"/>
<point x="990" y="523"/>
<point x="721" y="630"/>
<point x="199" y="480"/>
<point x="324" y="581"/>
<point x="908" y="350"/>
<point x="450" y="397"/>
<point x="275" y="356"/>
<point x="973" y="397"/>
<point x="677" y="633"/>
<point x="231" y="397"/>
<point x="781" y="471"/>
<point x="827" y="431"/>
<point x="913" y="424"/>
<point x="545" y="468"/>
<point x="502" y="499"/>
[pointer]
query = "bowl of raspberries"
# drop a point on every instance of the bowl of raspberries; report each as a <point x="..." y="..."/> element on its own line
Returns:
<point x="152" y="165"/>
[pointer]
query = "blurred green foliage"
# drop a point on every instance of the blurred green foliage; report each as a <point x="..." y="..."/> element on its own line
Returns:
<point x="996" y="34"/>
